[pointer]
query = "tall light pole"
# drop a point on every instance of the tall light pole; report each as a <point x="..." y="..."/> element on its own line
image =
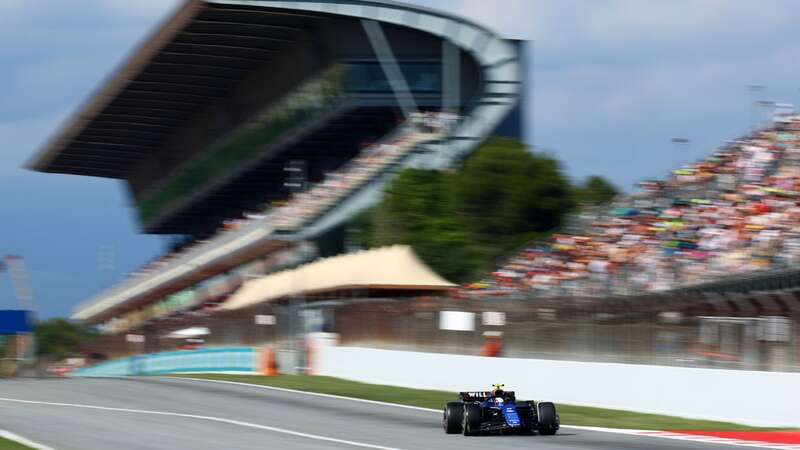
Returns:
<point x="533" y="95"/>
<point x="105" y="263"/>
<point x="680" y="146"/>
<point x="296" y="181"/>
<point x="797" y="105"/>
<point x="756" y="90"/>
<point x="765" y="106"/>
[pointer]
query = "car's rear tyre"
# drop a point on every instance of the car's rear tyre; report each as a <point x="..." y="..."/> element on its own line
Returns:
<point x="471" y="425"/>
<point x="548" y="418"/>
<point x="453" y="417"/>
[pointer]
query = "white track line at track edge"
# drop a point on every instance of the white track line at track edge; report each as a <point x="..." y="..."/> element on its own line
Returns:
<point x="24" y="441"/>
<point x="313" y="394"/>
<point x="640" y="433"/>
<point x="208" y="418"/>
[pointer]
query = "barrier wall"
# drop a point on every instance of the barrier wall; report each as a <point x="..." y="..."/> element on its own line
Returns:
<point x="229" y="359"/>
<point x="749" y="397"/>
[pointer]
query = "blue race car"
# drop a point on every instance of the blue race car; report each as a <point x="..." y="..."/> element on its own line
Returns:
<point x="498" y="411"/>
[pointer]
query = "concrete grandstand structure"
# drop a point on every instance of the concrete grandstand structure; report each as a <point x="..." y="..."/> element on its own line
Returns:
<point x="210" y="114"/>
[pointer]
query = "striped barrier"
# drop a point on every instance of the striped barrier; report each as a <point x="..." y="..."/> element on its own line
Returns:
<point x="228" y="359"/>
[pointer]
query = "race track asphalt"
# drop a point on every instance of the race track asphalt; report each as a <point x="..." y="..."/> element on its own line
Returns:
<point x="169" y="414"/>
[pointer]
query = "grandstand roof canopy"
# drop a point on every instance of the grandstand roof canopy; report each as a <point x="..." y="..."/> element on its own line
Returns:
<point x="197" y="56"/>
<point x="388" y="268"/>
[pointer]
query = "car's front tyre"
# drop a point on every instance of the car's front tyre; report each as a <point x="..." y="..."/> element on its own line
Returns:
<point x="548" y="418"/>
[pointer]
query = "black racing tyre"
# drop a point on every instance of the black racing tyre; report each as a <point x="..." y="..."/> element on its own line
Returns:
<point x="548" y="419"/>
<point x="472" y="419"/>
<point x="453" y="417"/>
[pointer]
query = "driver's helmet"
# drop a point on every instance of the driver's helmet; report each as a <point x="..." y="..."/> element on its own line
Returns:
<point x="498" y="401"/>
<point x="497" y="390"/>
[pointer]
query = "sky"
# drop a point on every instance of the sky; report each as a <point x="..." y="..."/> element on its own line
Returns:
<point x="611" y="83"/>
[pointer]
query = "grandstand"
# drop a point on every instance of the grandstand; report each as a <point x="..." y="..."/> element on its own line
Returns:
<point x="254" y="129"/>
<point x="729" y="223"/>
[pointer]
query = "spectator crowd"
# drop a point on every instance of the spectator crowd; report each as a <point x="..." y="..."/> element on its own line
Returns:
<point x="735" y="212"/>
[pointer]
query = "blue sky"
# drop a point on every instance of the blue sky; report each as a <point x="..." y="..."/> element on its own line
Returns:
<point x="615" y="80"/>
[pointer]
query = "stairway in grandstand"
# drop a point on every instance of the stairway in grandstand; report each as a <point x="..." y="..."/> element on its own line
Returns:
<point x="359" y="185"/>
<point x="432" y="151"/>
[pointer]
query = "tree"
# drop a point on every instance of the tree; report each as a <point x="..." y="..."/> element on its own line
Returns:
<point x="596" y="190"/>
<point x="459" y="221"/>
<point x="418" y="210"/>
<point x="506" y="191"/>
<point x="61" y="338"/>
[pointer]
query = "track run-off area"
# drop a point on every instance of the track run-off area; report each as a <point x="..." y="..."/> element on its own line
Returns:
<point x="167" y="413"/>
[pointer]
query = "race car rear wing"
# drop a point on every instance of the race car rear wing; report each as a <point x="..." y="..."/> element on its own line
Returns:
<point x="479" y="396"/>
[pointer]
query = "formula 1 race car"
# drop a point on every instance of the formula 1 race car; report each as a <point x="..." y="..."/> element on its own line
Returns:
<point x="498" y="411"/>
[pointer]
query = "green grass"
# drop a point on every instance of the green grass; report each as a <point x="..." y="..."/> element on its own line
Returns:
<point x="5" y="444"/>
<point x="570" y="414"/>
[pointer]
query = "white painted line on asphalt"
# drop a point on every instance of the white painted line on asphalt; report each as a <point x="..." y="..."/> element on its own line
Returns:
<point x="21" y="440"/>
<point x="313" y="394"/>
<point x="208" y="418"/>
<point x="630" y="432"/>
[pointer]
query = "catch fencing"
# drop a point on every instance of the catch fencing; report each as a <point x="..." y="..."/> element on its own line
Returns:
<point x="576" y="331"/>
<point x="634" y="331"/>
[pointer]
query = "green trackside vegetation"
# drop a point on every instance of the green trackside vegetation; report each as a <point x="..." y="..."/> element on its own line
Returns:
<point x="61" y="338"/>
<point x="570" y="415"/>
<point x="5" y="444"/>
<point x="461" y="221"/>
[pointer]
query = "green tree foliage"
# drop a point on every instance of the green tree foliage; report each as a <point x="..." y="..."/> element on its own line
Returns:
<point x="61" y="338"/>
<point x="460" y="221"/>
<point x="419" y="210"/>
<point x="505" y="190"/>
<point x="596" y="190"/>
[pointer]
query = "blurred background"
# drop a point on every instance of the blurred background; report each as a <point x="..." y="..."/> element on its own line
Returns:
<point x="610" y="183"/>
